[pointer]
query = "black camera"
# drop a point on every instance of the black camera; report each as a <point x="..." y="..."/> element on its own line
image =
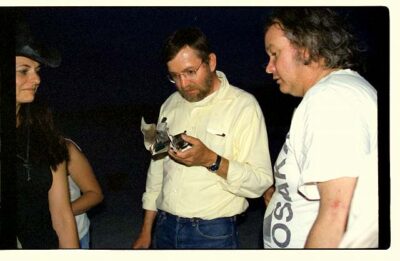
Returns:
<point x="178" y="143"/>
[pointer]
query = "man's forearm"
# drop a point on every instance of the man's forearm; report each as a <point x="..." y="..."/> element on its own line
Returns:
<point x="148" y="221"/>
<point x="325" y="233"/>
<point x="330" y="224"/>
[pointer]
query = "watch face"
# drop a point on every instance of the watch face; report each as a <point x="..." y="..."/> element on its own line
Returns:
<point x="214" y="167"/>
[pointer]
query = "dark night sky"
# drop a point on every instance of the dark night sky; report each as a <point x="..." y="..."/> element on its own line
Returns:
<point x="111" y="55"/>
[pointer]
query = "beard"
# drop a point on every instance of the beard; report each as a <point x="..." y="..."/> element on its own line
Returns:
<point x="203" y="90"/>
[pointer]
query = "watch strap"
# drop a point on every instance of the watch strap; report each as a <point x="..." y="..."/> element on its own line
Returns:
<point x="215" y="166"/>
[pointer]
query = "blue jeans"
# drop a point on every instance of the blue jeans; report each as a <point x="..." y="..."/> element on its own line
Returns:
<point x="84" y="242"/>
<point x="173" y="232"/>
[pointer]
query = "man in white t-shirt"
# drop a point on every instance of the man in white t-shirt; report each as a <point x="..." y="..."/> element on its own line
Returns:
<point x="326" y="175"/>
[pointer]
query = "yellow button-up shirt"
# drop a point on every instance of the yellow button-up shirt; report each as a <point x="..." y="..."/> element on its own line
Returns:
<point x="229" y="122"/>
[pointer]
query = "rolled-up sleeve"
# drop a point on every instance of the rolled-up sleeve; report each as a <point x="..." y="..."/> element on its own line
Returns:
<point x="153" y="184"/>
<point x="250" y="172"/>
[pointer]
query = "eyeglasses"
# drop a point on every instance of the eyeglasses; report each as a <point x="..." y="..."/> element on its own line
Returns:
<point x="188" y="74"/>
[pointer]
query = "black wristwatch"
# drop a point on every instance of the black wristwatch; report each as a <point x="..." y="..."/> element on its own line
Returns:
<point x="215" y="166"/>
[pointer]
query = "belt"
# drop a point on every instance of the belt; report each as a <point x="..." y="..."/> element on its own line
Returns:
<point x="194" y="219"/>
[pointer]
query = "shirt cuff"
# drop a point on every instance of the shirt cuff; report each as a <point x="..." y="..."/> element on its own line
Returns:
<point x="149" y="202"/>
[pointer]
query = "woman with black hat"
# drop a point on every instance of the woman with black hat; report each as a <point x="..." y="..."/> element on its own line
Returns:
<point x="44" y="215"/>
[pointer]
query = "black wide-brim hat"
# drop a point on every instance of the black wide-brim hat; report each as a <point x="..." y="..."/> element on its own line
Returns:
<point x="26" y="45"/>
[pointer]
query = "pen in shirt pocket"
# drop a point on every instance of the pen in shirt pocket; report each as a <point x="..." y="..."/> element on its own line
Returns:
<point x="216" y="132"/>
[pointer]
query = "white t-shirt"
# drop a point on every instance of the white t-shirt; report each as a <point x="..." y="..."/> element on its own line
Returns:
<point x="333" y="134"/>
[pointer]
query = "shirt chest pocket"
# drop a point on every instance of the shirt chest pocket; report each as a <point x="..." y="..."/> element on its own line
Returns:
<point x="217" y="136"/>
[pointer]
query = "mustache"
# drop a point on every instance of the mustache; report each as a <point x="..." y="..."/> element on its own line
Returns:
<point x="189" y="87"/>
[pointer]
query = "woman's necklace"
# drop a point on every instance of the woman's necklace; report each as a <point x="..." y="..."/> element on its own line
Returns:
<point x="26" y="162"/>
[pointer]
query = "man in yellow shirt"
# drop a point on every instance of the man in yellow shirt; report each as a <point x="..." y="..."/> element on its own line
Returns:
<point x="196" y="193"/>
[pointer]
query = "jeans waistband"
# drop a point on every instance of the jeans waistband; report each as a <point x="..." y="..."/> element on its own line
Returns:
<point x="194" y="219"/>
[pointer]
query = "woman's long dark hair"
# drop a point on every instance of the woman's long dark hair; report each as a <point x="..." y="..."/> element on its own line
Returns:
<point x="38" y="132"/>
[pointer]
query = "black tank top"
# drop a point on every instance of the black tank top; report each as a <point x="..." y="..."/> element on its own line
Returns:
<point x="34" y="225"/>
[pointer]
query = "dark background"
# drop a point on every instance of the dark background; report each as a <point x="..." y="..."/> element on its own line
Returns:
<point x="111" y="75"/>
